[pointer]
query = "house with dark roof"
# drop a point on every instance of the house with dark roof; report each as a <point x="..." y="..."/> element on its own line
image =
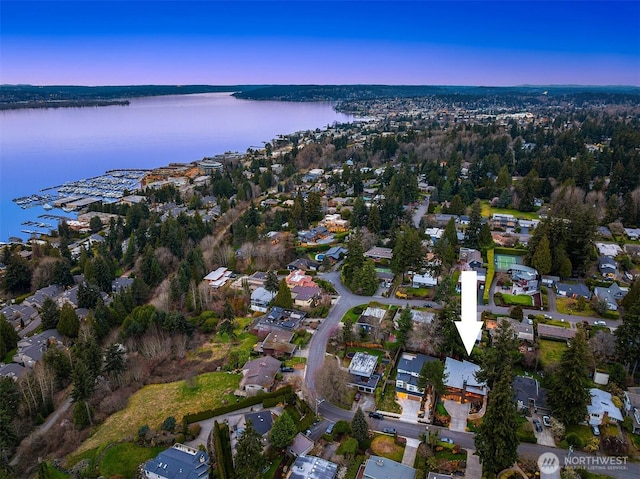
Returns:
<point x="573" y="290"/>
<point x="259" y="375"/>
<point x="335" y="253"/>
<point x="262" y="421"/>
<point x="528" y="394"/>
<point x="121" y="284"/>
<point x="305" y="296"/>
<point x="547" y="331"/>
<point x="12" y="370"/>
<point x="303" y="264"/>
<point x="409" y="367"/>
<point x="377" y="253"/>
<point x="31" y="349"/>
<point x="610" y="295"/>
<point x="38" y="298"/>
<point x="277" y="344"/>
<point x="608" y="267"/>
<point x="178" y="462"/>
<point x="300" y="446"/>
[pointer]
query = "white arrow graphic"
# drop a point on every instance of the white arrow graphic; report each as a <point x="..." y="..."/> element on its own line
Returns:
<point x="469" y="327"/>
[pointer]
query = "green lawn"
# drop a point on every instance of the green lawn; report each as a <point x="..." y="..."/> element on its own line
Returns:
<point x="581" y="430"/>
<point x="440" y="409"/>
<point x="385" y="446"/>
<point x="124" y="458"/>
<point x="352" y="315"/>
<point x="569" y="306"/>
<point x="387" y="400"/>
<point x="450" y="456"/>
<point x="418" y="292"/>
<point x="273" y="468"/>
<point x="551" y="351"/>
<point x="557" y="322"/>
<point x="488" y="211"/>
<point x="514" y="299"/>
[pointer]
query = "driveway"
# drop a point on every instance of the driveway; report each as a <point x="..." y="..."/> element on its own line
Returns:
<point x="459" y="413"/>
<point x="410" y="410"/>
<point x="545" y="437"/>
<point x="474" y="469"/>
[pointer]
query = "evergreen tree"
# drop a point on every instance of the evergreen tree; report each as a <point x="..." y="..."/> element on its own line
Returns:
<point x="8" y="336"/>
<point x="472" y="233"/>
<point x="283" y="299"/>
<point x="49" y="314"/>
<point x="271" y="282"/>
<point x="627" y="337"/>
<point x="69" y="324"/>
<point x="9" y="403"/>
<point x="114" y="360"/>
<point x="432" y="375"/>
<point x="408" y="252"/>
<point x="542" y="256"/>
<point x="62" y="274"/>
<point x="83" y="385"/>
<point x="313" y="206"/>
<point x="374" y="221"/>
<point x="17" y="278"/>
<point x="456" y="206"/>
<point x="500" y="357"/>
<point x="283" y="431"/>
<point x="504" y="200"/>
<point x="405" y="325"/>
<point x="566" y="268"/>
<point x="360" y="428"/>
<point x="359" y="214"/>
<point x="485" y="240"/>
<point x="496" y="440"/>
<point x="227" y="327"/>
<point x="569" y="394"/>
<point x="250" y="459"/>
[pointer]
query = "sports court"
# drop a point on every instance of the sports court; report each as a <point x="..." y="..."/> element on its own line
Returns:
<point x="504" y="261"/>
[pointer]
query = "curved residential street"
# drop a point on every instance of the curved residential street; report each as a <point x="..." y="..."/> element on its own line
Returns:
<point x="317" y="352"/>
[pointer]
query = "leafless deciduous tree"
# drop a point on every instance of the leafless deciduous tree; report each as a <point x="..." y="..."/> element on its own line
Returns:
<point x="331" y="382"/>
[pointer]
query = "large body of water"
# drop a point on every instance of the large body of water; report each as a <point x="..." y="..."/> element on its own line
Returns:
<point x="40" y="148"/>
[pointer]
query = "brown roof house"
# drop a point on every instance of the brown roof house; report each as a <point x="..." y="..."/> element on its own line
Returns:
<point x="259" y="375"/>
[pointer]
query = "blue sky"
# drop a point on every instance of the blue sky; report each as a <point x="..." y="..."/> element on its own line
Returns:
<point x="322" y="42"/>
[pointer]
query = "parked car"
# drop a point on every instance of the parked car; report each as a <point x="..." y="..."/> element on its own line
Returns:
<point x="330" y="428"/>
<point x="375" y="415"/>
<point x="389" y="430"/>
<point x="286" y="369"/>
<point x="537" y="424"/>
<point x="546" y="420"/>
<point x="547" y="316"/>
<point x="448" y="440"/>
<point x="596" y="430"/>
<point x="599" y="323"/>
<point x="357" y="397"/>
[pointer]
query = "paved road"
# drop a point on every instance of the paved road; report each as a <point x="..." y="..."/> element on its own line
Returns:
<point x="317" y="350"/>
<point x="420" y="212"/>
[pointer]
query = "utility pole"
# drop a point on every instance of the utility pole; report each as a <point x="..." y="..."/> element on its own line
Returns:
<point x="318" y="402"/>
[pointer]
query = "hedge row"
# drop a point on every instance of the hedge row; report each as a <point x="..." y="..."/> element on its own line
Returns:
<point x="491" y="271"/>
<point x="513" y="251"/>
<point x="246" y="402"/>
<point x="222" y="446"/>
<point x="271" y="402"/>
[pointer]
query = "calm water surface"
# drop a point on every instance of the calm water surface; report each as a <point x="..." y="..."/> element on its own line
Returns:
<point x="40" y="148"/>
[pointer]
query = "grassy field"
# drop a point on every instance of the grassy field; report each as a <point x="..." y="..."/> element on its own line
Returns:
<point x="388" y="400"/>
<point x="568" y="306"/>
<point x="220" y="346"/>
<point x="551" y="351"/>
<point x="154" y="403"/>
<point x="385" y="446"/>
<point x="124" y="458"/>
<point x="514" y="299"/>
<point x="488" y="211"/>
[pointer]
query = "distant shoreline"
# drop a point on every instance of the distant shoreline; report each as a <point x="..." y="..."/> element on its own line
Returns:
<point x="62" y="104"/>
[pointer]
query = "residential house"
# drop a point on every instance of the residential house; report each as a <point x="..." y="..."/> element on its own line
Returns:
<point x="601" y="410"/>
<point x="262" y="422"/>
<point x="178" y="462"/>
<point x="257" y="279"/>
<point x="299" y="278"/>
<point x="335" y="253"/>
<point x="378" y="467"/>
<point x="632" y="233"/>
<point x="632" y="407"/>
<point x="277" y="344"/>
<point x="558" y="333"/>
<point x="424" y="280"/>
<point x="524" y="278"/>
<point x="311" y="467"/>
<point x="422" y="317"/>
<point x="573" y="290"/>
<point x="443" y="219"/>
<point x="528" y="394"/>
<point x="218" y="278"/>
<point x="550" y="281"/>
<point x="259" y="375"/>
<point x="31" y="349"/>
<point x="12" y="370"/>
<point x="121" y="284"/>
<point x="260" y="300"/>
<point x="461" y="383"/>
<point x="409" y="367"/>
<point x="610" y="295"/>
<point x="17" y="313"/>
<point x="335" y="224"/>
<point x="303" y="264"/>
<point x="471" y="257"/>
<point x="608" y="267"/>
<point x="38" y="298"/>
<point x="435" y="475"/>
<point x="434" y="234"/>
<point x="368" y="324"/>
<point x="377" y="253"/>
<point x="278" y="317"/>
<point x="362" y="370"/>
<point x="300" y="446"/>
<point x="503" y="221"/>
